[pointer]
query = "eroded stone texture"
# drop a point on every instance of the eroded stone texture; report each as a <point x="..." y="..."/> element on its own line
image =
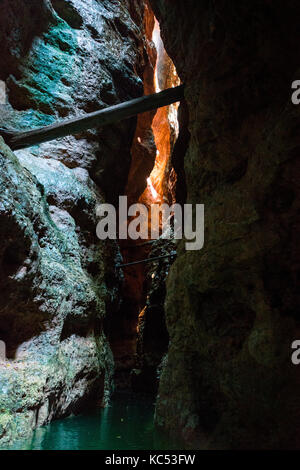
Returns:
<point x="144" y="148"/>
<point x="51" y="309"/>
<point x="67" y="70"/>
<point x="232" y="308"/>
<point x="61" y="58"/>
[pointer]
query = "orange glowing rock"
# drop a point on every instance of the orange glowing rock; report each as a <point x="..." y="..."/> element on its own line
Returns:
<point x="152" y="189"/>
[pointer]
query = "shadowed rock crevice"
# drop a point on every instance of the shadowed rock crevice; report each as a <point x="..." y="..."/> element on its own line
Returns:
<point x="231" y="308"/>
<point x="17" y="259"/>
<point x="138" y="337"/>
<point x="57" y="279"/>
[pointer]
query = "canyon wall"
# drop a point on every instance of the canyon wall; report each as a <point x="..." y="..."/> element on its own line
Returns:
<point x="137" y="332"/>
<point x="232" y="309"/>
<point x="60" y="59"/>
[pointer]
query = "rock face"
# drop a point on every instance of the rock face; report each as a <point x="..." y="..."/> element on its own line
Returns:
<point x="231" y="308"/>
<point x="81" y="57"/>
<point x="57" y="280"/>
<point x="51" y="308"/>
<point x="138" y="335"/>
<point x="153" y="339"/>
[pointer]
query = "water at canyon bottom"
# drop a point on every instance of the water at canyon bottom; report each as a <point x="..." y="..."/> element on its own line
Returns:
<point x="127" y="424"/>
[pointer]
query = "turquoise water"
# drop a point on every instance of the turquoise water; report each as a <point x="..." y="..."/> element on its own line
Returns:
<point x="127" y="424"/>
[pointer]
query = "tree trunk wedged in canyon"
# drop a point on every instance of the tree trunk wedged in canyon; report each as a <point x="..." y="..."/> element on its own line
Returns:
<point x="17" y="140"/>
<point x="60" y="59"/>
<point x="232" y="308"/>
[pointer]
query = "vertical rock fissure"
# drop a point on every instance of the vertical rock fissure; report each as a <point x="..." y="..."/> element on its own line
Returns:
<point x="138" y="336"/>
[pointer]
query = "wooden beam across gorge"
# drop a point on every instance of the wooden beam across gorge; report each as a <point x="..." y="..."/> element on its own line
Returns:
<point x="20" y="140"/>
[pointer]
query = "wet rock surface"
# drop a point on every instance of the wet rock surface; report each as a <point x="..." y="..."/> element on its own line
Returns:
<point x="231" y="309"/>
<point x="60" y="59"/>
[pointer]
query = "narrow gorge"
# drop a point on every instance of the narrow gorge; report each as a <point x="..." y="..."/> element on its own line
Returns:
<point x="201" y="339"/>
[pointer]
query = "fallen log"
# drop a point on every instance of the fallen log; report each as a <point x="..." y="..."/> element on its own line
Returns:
<point x="20" y="140"/>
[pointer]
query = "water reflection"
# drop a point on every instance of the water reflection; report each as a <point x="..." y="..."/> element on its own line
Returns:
<point x="126" y="425"/>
